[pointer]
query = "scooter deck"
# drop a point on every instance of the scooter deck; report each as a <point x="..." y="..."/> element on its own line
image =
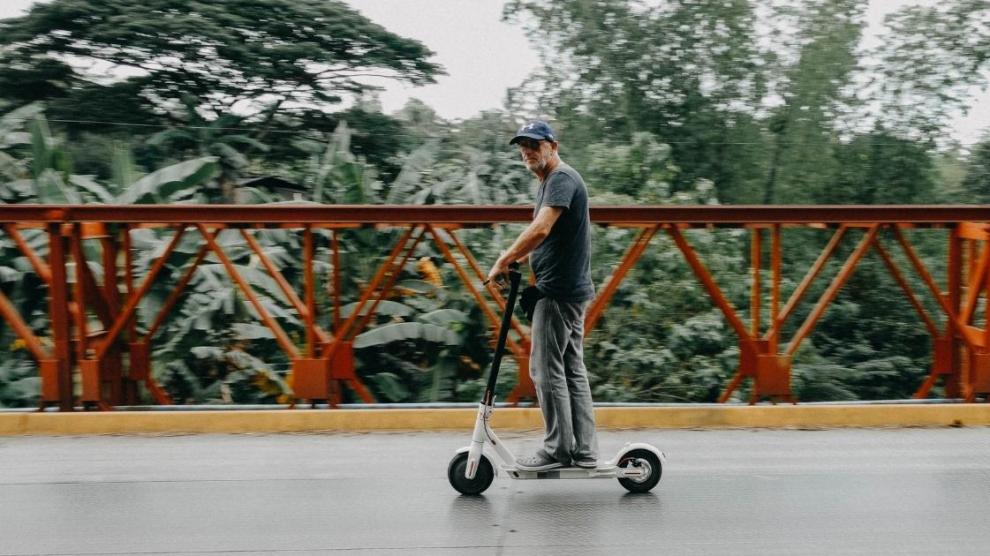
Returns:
<point x="603" y="472"/>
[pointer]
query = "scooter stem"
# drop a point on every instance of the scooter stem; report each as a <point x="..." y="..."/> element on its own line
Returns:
<point x="503" y="333"/>
<point x="488" y="400"/>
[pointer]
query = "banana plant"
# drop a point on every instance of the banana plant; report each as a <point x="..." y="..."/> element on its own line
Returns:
<point x="35" y="168"/>
<point x="218" y="139"/>
<point x="216" y="351"/>
<point x="334" y="174"/>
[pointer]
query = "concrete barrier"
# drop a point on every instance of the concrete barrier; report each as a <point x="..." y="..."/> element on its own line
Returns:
<point x="357" y="420"/>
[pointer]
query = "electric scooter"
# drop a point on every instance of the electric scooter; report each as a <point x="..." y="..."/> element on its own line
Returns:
<point x="637" y="466"/>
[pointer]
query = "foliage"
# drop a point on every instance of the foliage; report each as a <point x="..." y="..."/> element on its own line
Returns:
<point x="976" y="183"/>
<point x="812" y="88"/>
<point x="20" y="385"/>
<point x="264" y="56"/>
<point x="678" y="102"/>
<point x="930" y="61"/>
<point x="880" y="169"/>
<point x="201" y="137"/>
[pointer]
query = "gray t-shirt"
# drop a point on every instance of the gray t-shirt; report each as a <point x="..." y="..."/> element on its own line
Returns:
<point x="562" y="263"/>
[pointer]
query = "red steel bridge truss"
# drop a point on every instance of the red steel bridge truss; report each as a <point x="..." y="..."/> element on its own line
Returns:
<point x="102" y="365"/>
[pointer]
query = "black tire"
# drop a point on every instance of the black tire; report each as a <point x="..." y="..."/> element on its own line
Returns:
<point x="482" y="478"/>
<point x="640" y="456"/>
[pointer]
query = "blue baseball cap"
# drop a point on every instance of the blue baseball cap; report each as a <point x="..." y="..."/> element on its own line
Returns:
<point x="536" y="129"/>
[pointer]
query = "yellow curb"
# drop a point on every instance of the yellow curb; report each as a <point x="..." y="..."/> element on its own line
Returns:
<point x="795" y="416"/>
<point x="358" y="420"/>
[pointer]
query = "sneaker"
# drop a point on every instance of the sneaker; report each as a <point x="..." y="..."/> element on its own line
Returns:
<point x="586" y="462"/>
<point x="540" y="462"/>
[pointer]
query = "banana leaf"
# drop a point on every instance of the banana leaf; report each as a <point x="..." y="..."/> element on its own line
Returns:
<point x="407" y="331"/>
<point x="390" y="386"/>
<point x="159" y="186"/>
<point x="89" y="185"/>
<point x="443" y="317"/>
<point x="385" y="307"/>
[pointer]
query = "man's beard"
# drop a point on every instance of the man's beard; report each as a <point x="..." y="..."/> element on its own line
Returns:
<point x="538" y="165"/>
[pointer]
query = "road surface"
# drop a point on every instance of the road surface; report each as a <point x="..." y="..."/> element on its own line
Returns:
<point x="850" y="491"/>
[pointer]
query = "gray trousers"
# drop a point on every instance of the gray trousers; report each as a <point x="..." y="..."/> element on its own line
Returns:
<point x="556" y="364"/>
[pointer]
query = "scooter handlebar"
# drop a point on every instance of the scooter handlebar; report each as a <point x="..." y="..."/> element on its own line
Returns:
<point x="514" y="275"/>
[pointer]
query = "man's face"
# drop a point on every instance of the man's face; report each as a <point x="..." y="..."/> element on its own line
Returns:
<point x="535" y="154"/>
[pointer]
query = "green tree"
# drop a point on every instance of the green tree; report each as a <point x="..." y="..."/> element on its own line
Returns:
<point x="880" y="169"/>
<point x="254" y="57"/>
<point x="640" y="170"/>
<point x="690" y="73"/>
<point x="812" y="89"/>
<point x="976" y="183"/>
<point x="221" y="138"/>
<point x="874" y="335"/>
<point x="472" y="163"/>
<point x="930" y="62"/>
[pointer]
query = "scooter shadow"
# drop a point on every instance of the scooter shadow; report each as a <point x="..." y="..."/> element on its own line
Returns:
<point x="568" y="513"/>
<point x="477" y="505"/>
<point x="576" y="506"/>
<point x="482" y="504"/>
<point x="472" y="513"/>
<point x="640" y="499"/>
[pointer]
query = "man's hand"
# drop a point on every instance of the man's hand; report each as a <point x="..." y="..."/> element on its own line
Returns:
<point x="529" y="239"/>
<point x="499" y="270"/>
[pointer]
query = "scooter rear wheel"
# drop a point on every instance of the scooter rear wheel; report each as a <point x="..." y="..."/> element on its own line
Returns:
<point x="482" y="478"/>
<point x="641" y="458"/>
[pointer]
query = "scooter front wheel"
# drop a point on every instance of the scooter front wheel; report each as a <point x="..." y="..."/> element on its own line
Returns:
<point x="648" y="462"/>
<point x="482" y="478"/>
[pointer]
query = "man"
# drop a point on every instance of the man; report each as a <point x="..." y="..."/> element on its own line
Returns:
<point x="558" y="242"/>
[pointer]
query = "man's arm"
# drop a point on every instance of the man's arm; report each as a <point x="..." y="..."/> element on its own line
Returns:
<point x="529" y="239"/>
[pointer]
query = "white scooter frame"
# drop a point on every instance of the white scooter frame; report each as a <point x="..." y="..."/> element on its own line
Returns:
<point x="637" y="466"/>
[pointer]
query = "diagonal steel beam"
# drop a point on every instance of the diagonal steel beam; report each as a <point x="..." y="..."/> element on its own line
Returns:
<point x="283" y="284"/>
<point x="339" y="334"/>
<point x="773" y="335"/>
<point x="40" y="268"/>
<point x="23" y="331"/>
<point x="176" y="293"/>
<point x="494" y="319"/>
<point x="706" y="279"/>
<point x="479" y="273"/>
<point x="953" y="317"/>
<point x="93" y="295"/>
<point x="280" y="336"/>
<point x="520" y="349"/>
<point x="628" y="261"/>
<point x="908" y="291"/>
<point x="390" y="280"/>
<point x="130" y="306"/>
<point x="833" y="289"/>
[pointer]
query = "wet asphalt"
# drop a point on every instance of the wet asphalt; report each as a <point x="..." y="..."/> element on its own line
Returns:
<point x="850" y="491"/>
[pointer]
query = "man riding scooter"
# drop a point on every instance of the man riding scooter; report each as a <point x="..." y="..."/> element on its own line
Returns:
<point x="558" y="243"/>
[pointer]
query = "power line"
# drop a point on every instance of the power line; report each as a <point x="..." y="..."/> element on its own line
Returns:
<point x="406" y="134"/>
<point x="160" y="126"/>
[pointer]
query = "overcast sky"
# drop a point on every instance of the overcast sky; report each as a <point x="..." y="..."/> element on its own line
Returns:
<point x="484" y="56"/>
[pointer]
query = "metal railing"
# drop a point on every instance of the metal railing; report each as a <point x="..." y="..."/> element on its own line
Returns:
<point x="110" y="361"/>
